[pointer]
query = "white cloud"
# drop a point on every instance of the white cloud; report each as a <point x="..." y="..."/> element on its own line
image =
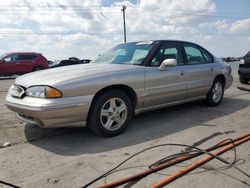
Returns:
<point x="64" y="28"/>
<point x="241" y="26"/>
<point x="222" y="25"/>
<point x="248" y="39"/>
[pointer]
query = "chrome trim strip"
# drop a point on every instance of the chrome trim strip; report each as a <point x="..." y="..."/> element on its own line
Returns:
<point x="138" y="111"/>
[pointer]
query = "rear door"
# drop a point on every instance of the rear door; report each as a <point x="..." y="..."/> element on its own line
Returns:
<point x="169" y="86"/>
<point x="199" y="70"/>
<point x="27" y="61"/>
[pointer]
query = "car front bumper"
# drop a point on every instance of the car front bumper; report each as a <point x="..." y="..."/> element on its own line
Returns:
<point x="50" y="113"/>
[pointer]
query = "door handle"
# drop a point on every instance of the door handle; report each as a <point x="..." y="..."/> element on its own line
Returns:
<point x="211" y="69"/>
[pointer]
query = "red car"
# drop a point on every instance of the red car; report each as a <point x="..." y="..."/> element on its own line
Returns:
<point x="21" y="63"/>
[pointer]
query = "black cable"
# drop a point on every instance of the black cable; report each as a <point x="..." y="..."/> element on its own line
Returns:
<point x="192" y="152"/>
<point x="9" y="184"/>
<point x="172" y="157"/>
<point x="198" y="151"/>
<point x="240" y="170"/>
<point x="169" y="158"/>
<point x="146" y="149"/>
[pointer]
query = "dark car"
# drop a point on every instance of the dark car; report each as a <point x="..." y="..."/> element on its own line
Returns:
<point x="70" y="61"/>
<point x="244" y="69"/>
<point x="21" y="63"/>
<point x="65" y="62"/>
<point x="84" y="61"/>
<point x="74" y="59"/>
<point x="50" y="62"/>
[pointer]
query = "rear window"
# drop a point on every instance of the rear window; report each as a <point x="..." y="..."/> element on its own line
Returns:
<point x="194" y="55"/>
<point x="208" y="57"/>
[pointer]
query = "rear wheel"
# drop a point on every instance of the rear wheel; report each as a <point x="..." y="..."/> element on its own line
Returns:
<point x="244" y="80"/>
<point x="215" y="95"/>
<point x="110" y="113"/>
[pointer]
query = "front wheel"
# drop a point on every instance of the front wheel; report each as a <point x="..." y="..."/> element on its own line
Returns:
<point x="110" y="113"/>
<point x="215" y="95"/>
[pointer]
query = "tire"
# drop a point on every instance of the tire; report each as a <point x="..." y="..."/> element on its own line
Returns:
<point x="244" y="80"/>
<point x="215" y="94"/>
<point x="37" y="69"/>
<point x="110" y="114"/>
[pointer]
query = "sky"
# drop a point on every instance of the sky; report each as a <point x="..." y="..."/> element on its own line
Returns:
<point x="85" y="28"/>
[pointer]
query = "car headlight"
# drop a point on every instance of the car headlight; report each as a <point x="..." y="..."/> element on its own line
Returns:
<point x="43" y="92"/>
<point x="242" y="61"/>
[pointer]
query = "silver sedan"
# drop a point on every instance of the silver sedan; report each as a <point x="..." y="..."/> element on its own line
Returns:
<point x="129" y="79"/>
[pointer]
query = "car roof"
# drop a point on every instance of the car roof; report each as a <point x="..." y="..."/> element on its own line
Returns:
<point x="167" y="40"/>
<point x="161" y="40"/>
<point x="22" y="53"/>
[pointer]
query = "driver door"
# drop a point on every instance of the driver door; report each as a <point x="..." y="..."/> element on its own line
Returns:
<point x="169" y="86"/>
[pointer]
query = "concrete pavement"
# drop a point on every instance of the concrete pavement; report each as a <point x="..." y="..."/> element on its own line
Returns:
<point x="72" y="157"/>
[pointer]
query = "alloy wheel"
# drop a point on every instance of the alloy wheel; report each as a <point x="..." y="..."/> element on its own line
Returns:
<point x="113" y="114"/>
<point x="217" y="92"/>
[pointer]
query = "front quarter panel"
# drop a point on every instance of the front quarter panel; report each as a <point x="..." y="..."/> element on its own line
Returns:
<point x="134" y="78"/>
<point x="78" y="93"/>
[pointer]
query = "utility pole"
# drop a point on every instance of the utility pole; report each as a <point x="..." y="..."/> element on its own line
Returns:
<point x="124" y="24"/>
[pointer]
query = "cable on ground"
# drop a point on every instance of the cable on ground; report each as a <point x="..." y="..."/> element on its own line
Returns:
<point x="187" y="154"/>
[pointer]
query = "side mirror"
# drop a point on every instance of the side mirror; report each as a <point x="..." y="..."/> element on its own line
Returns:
<point x="2" y="61"/>
<point x="168" y="63"/>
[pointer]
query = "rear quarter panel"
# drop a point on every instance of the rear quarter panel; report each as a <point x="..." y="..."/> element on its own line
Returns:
<point x="42" y="62"/>
<point x="223" y="68"/>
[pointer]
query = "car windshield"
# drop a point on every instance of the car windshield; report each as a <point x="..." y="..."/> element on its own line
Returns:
<point x="129" y="54"/>
<point x="2" y="56"/>
<point x="248" y="54"/>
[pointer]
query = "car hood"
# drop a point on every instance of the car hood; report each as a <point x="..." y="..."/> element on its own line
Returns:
<point x="75" y="72"/>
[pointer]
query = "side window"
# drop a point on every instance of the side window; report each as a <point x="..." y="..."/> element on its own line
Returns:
<point x="194" y="55"/>
<point x="170" y="50"/>
<point x="208" y="57"/>
<point x="26" y="57"/>
<point x="21" y="57"/>
<point x="33" y="57"/>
